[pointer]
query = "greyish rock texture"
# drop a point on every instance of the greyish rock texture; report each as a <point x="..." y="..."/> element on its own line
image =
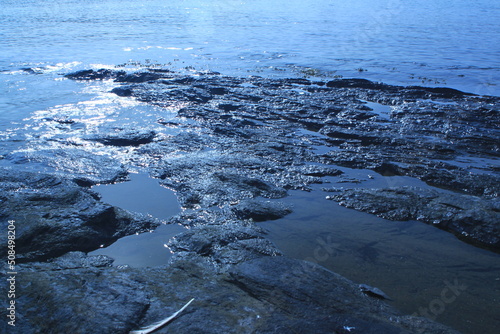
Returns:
<point x="264" y="295"/>
<point x="59" y="216"/>
<point x="233" y="150"/>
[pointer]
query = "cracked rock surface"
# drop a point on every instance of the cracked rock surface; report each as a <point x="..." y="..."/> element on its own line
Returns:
<point x="234" y="148"/>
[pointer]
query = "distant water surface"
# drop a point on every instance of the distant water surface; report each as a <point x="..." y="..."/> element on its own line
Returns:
<point x="434" y="43"/>
<point x="454" y="43"/>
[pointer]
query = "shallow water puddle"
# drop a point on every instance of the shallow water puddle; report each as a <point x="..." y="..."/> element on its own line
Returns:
<point x="142" y="250"/>
<point x="423" y="269"/>
<point x="141" y="194"/>
<point x="317" y="141"/>
<point x="474" y="164"/>
<point x="380" y="109"/>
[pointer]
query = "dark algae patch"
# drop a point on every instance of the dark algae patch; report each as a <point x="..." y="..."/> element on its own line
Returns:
<point x="233" y="149"/>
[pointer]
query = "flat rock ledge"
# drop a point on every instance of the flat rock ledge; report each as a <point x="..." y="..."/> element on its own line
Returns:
<point x="268" y="294"/>
<point x="54" y="215"/>
<point x="240" y="145"/>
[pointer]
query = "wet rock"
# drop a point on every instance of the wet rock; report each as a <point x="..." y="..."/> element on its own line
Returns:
<point x="236" y="141"/>
<point x="410" y="91"/>
<point x="289" y="285"/>
<point x="101" y="74"/>
<point x="320" y="171"/>
<point x="426" y="128"/>
<point x="75" y="260"/>
<point x="229" y="107"/>
<point x="91" y="297"/>
<point x="165" y="95"/>
<point x="140" y="77"/>
<point x="373" y="291"/>
<point x="357" y="83"/>
<point x="122" y="91"/>
<point x="85" y="168"/>
<point x="54" y="215"/>
<point x="260" y="211"/>
<point x="442" y="92"/>
<point x="224" y="244"/>
<point x="474" y="219"/>
<point x="125" y="137"/>
<point x="32" y="70"/>
<point x="251" y="185"/>
<point x="218" y="90"/>
<point x="262" y="295"/>
<point x="227" y="178"/>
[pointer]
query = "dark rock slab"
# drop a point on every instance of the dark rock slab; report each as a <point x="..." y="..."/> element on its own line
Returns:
<point x="101" y="74"/>
<point x="316" y="300"/>
<point x="263" y="295"/>
<point x="123" y="137"/>
<point x="165" y="95"/>
<point x="140" y="77"/>
<point x="78" y="300"/>
<point x="260" y="211"/>
<point x="54" y="215"/>
<point x="357" y="83"/>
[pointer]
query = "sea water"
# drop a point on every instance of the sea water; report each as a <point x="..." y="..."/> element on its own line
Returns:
<point x="433" y="43"/>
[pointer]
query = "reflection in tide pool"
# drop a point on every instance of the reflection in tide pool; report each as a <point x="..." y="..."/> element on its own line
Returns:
<point x="417" y="265"/>
<point x="142" y="195"/>
<point x="382" y="110"/>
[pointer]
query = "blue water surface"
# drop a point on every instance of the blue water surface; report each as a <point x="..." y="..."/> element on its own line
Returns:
<point x="453" y="43"/>
<point x="433" y="43"/>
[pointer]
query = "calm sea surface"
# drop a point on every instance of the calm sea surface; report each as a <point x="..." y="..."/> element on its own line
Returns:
<point x="440" y="42"/>
<point x="420" y="42"/>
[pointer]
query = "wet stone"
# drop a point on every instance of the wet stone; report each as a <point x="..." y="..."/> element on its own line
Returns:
<point x="85" y="167"/>
<point x="260" y="211"/>
<point x="122" y="137"/>
<point x="236" y="152"/>
<point x="102" y="74"/>
<point x="56" y="216"/>
<point x="261" y="295"/>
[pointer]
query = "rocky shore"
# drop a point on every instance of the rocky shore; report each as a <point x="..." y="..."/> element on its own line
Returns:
<point x="232" y="151"/>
